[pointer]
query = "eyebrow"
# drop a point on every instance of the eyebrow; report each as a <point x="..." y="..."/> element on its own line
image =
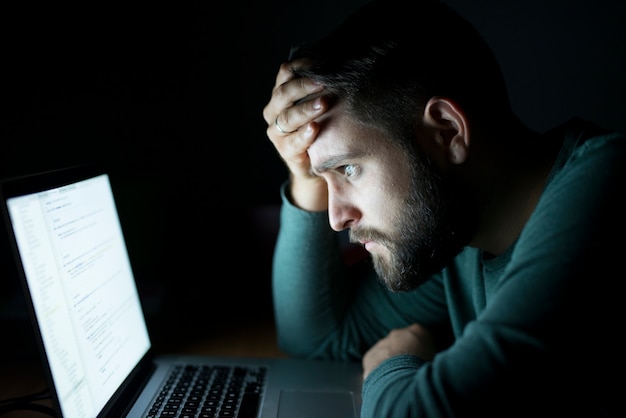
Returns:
<point x="333" y="162"/>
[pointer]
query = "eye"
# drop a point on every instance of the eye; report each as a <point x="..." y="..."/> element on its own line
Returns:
<point x="349" y="170"/>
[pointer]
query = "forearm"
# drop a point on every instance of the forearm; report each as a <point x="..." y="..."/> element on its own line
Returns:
<point x="308" y="193"/>
<point x="307" y="281"/>
<point x="466" y="380"/>
<point x="320" y="310"/>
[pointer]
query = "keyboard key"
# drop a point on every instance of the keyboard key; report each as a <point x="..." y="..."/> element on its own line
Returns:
<point x="197" y="391"/>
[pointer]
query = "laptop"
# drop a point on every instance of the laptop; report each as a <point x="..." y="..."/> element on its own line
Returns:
<point x="98" y="357"/>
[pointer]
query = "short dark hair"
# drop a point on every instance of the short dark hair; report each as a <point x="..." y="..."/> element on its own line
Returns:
<point x="391" y="56"/>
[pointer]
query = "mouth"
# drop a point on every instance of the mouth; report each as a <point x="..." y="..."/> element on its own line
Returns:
<point x="367" y="245"/>
<point x="364" y="238"/>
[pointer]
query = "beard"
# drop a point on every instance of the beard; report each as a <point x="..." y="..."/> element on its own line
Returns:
<point x="434" y="224"/>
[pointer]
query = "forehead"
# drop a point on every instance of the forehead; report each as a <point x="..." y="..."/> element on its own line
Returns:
<point x="342" y="136"/>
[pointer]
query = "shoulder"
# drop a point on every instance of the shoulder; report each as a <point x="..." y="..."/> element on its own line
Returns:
<point x="584" y="141"/>
<point x="590" y="162"/>
<point x="581" y="203"/>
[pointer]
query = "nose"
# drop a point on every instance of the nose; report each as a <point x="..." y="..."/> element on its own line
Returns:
<point x="341" y="213"/>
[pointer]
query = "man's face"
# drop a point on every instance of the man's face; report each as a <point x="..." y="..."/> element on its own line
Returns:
<point x="393" y="202"/>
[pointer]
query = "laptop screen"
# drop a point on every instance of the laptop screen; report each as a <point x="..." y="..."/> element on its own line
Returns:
<point x="79" y="276"/>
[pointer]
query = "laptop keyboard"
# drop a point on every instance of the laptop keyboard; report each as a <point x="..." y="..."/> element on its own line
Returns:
<point x="200" y="391"/>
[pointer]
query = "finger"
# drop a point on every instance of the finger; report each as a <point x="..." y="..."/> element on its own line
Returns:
<point x="294" y="146"/>
<point x="285" y="72"/>
<point x="294" y="117"/>
<point x="289" y="93"/>
<point x="288" y="89"/>
<point x="294" y="149"/>
<point x="280" y="128"/>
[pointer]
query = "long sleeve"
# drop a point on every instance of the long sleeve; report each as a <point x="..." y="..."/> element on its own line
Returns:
<point x="323" y="311"/>
<point x="538" y="330"/>
<point x="308" y="288"/>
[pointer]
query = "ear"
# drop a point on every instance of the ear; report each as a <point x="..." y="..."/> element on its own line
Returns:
<point x="448" y="125"/>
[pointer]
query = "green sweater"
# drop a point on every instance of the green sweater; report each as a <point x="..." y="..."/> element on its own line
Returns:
<point x="534" y="331"/>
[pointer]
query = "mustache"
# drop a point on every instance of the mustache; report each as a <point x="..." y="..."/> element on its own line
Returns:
<point x="356" y="236"/>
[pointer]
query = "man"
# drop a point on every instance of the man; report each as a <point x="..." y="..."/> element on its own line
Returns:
<point x="495" y="249"/>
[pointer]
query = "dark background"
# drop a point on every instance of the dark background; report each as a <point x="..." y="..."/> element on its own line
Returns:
<point x="170" y="96"/>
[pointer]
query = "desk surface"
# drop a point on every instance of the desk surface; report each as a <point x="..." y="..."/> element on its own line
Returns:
<point x="25" y="376"/>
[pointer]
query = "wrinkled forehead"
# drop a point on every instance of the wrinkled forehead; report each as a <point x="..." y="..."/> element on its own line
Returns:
<point x="339" y="134"/>
<point x="342" y="139"/>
